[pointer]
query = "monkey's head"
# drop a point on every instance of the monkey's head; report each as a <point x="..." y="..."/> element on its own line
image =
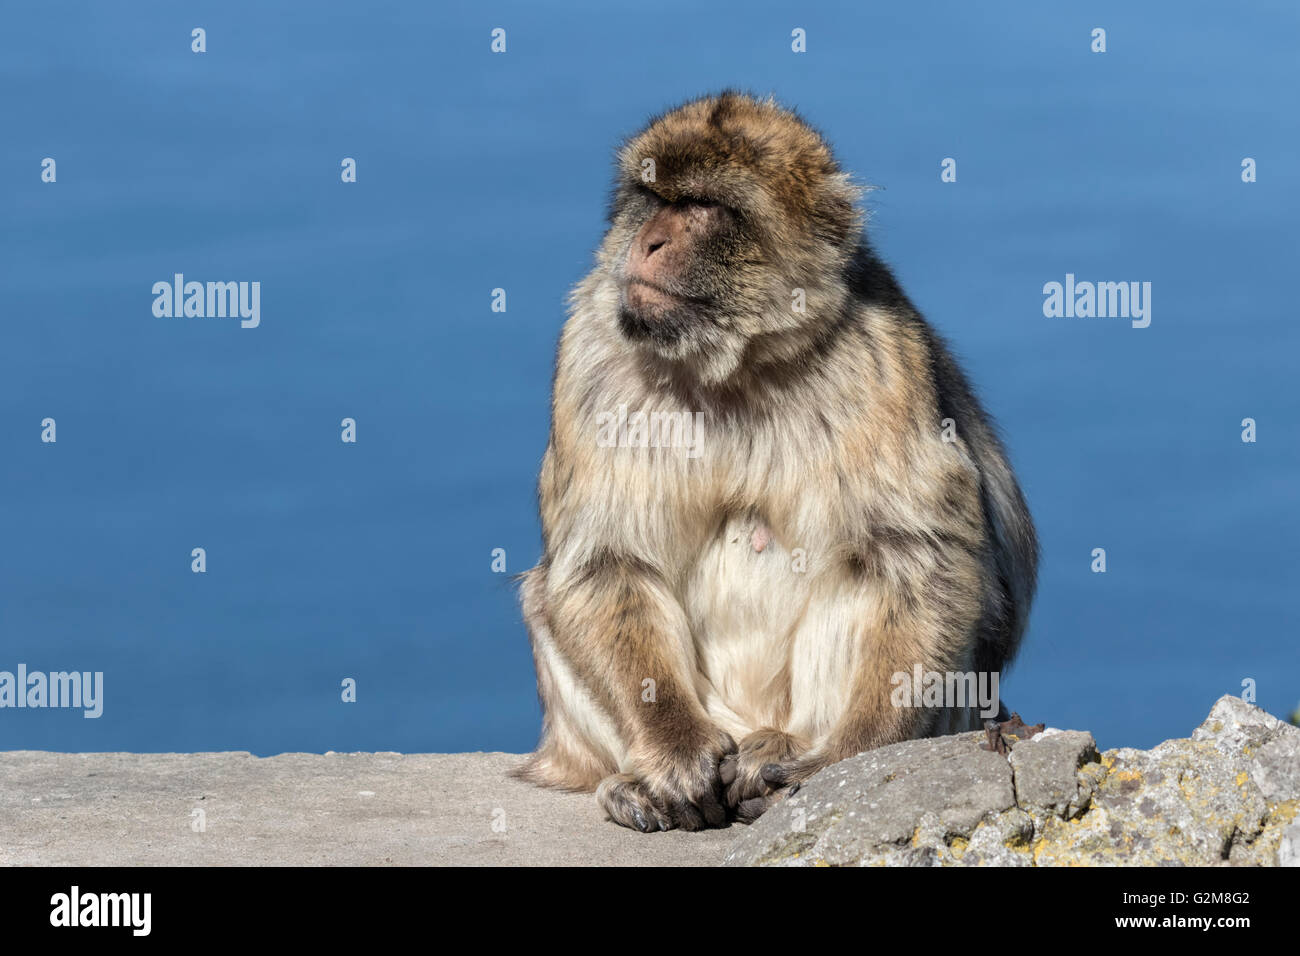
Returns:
<point x="730" y="230"/>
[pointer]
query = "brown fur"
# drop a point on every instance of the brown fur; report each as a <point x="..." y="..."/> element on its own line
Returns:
<point x="822" y="436"/>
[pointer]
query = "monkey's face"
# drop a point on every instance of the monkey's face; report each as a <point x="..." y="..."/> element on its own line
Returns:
<point x="730" y="230"/>
<point x="675" y="274"/>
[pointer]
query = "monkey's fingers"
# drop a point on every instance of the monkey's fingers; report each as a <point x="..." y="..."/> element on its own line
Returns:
<point x="778" y="775"/>
<point x="686" y="814"/>
<point x="728" y="769"/>
<point x="692" y="804"/>
<point x="746" y="783"/>
<point x="715" y="812"/>
<point x="687" y="787"/>
<point x="750" y="810"/>
<point x="764" y="746"/>
<point x="628" y="803"/>
<point x="791" y="774"/>
<point x="708" y="810"/>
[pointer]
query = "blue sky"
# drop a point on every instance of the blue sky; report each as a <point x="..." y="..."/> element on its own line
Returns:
<point x="478" y="171"/>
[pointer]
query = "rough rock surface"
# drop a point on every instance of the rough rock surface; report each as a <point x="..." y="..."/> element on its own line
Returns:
<point x="1229" y="795"/>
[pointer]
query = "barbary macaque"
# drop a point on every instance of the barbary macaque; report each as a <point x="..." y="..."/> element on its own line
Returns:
<point x="720" y="611"/>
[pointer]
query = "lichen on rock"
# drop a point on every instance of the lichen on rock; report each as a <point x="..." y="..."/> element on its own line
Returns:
<point x="1228" y="795"/>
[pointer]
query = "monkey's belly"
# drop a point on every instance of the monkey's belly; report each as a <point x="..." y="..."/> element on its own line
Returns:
<point x="770" y="648"/>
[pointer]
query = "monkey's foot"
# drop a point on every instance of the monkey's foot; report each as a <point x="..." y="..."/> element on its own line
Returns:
<point x="627" y="801"/>
<point x="783" y="780"/>
<point x="748" y="793"/>
<point x="1004" y="735"/>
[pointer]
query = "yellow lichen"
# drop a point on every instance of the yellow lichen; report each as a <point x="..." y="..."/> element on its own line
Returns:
<point x="1016" y="841"/>
<point x="1037" y="850"/>
<point x="1282" y="813"/>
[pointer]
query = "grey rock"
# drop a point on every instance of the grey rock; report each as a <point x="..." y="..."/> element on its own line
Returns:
<point x="1276" y="765"/>
<point x="915" y="803"/>
<point x="1182" y="803"/>
<point x="1235" y="726"/>
<point x="1229" y="795"/>
<point x="1271" y="746"/>
<point x="1047" y="776"/>
<point x="1002" y="840"/>
<point x="1288" y="852"/>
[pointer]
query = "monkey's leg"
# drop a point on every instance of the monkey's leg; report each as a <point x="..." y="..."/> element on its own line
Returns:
<point x="927" y="617"/>
<point x="625" y="638"/>
<point x="579" y="746"/>
<point x="748" y="794"/>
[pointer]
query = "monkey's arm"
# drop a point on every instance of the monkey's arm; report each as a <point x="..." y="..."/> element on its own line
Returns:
<point x="626" y="640"/>
<point x="614" y="520"/>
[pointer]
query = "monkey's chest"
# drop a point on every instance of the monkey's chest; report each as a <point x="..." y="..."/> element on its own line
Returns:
<point x="745" y="599"/>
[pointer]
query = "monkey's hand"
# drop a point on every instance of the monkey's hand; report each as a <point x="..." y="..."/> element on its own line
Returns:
<point x="678" y="787"/>
<point x="749" y="792"/>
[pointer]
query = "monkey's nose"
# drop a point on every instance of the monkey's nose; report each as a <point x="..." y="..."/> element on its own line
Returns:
<point x="653" y="242"/>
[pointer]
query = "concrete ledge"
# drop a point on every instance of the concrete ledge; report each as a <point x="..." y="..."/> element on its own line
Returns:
<point x="311" y="809"/>
<point x="1228" y="794"/>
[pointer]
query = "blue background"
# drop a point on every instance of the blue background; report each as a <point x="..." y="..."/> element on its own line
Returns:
<point x="477" y="171"/>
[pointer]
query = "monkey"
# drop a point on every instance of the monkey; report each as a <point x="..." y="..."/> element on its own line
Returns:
<point x="718" y="615"/>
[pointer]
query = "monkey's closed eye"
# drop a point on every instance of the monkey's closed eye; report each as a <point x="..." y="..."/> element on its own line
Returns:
<point x="645" y="192"/>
